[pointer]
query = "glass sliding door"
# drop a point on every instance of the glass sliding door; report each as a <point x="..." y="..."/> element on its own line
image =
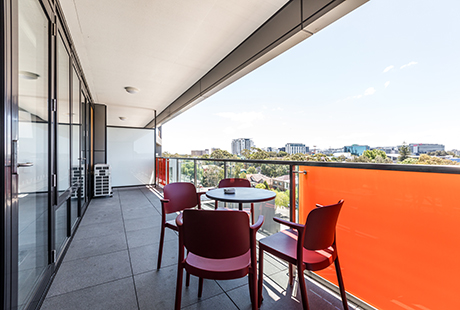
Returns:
<point x="62" y="144"/>
<point x="33" y="145"/>
<point x="76" y="138"/>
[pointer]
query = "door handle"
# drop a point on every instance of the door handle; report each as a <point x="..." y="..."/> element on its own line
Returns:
<point x="28" y="164"/>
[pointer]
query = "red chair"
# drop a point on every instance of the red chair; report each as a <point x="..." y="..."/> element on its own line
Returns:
<point x="221" y="246"/>
<point x="177" y="197"/>
<point x="237" y="182"/>
<point x="310" y="247"/>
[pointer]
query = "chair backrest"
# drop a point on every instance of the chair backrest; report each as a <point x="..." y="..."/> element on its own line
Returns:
<point x="234" y="182"/>
<point x="181" y="195"/>
<point x="320" y="226"/>
<point x="216" y="234"/>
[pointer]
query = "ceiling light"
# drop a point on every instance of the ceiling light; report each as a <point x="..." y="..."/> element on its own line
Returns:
<point x="28" y="75"/>
<point x="122" y="118"/>
<point x="132" y="90"/>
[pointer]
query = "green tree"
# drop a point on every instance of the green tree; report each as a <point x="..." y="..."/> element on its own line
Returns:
<point x="251" y="170"/>
<point x="260" y="185"/>
<point x="212" y="174"/>
<point x="424" y="159"/>
<point x="282" y="199"/>
<point x="255" y="153"/>
<point x="296" y="157"/>
<point x="404" y="152"/>
<point x="282" y="154"/>
<point x="372" y="154"/>
<point x="274" y="171"/>
<point x="221" y="154"/>
<point x="318" y="157"/>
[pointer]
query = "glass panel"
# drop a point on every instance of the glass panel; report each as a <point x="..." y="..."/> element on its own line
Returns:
<point x="63" y="118"/>
<point x="209" y="173"/>
<point x="63" y="140"/>
<point x="130" y="153"/>
<point x="406" y="223"/>
<point x="173" y="170"/>
<point x="187" y="171"/>
<point x="76" y="132"/>
<point x="32" y="148"/>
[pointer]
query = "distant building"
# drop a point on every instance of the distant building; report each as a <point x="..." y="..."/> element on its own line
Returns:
<point x="281" y="183"/>
<point x="423" y="148"/>
<point x="331" y="151"/>
<point x="282" y="149"/>
<point x="387" y="149"/>
<point x="200" y="152"/>
<point x="294" y="148"/>
<point x="272" y="149"/>
<point x="356" y="149"/>
<point x="238" y="145"/>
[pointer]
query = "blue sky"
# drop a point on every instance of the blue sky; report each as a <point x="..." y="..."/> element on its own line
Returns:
<point x="387" y="72"/>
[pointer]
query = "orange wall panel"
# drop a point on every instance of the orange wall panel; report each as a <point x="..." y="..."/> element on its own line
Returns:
<point x="398" y="234"/>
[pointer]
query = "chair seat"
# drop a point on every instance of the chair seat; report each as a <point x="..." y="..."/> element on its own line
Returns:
<point x="284" y="245"/>
<point x="218" y="269"/>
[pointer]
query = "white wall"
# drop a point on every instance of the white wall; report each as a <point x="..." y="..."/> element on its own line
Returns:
<point x="130" y="154"/>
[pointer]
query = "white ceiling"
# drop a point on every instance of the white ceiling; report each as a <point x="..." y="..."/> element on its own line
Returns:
<point x="160" y="47"/>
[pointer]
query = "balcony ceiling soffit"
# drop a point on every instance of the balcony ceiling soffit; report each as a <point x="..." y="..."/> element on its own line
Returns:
<point x="160" y="47"/>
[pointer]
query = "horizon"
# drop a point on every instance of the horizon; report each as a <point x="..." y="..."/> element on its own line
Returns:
<point x="378" y="85"/>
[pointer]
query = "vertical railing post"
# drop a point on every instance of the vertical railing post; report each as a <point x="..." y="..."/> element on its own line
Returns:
<point x="155" y="148"/>
<point x="225" y="169"/>
<point x="194" y="172"/>
<point x="177" y="171"/>
<point x="292" y="205"/>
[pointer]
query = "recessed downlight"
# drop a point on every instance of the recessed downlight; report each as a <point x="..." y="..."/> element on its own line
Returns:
<point x="132" y="90"/>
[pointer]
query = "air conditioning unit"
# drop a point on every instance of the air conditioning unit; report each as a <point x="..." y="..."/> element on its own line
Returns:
<point x="102" y="180"/>
<point x="78" y="178"/>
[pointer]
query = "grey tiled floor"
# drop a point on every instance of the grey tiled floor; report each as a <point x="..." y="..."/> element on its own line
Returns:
<point x="111" y="264"/>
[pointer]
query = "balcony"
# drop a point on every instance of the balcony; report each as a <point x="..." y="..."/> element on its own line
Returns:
<point x="111" y="264"/>
<point x="394" y="220"/>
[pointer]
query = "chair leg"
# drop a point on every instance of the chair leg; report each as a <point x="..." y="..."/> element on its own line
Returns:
<point x="180" y="272"/>
<point x="303" y="287"/>
<point x="251" y="288"/>
<point x="291" y="275"/>
<point x="200" y="287"/>
<point x="216" y="205"/>
<point x="261" y="275"/>
<point x="160" y="250"/>
<point x="252" y="213"/>
<point x="252" y="276"/>
<point x="341" y="286"/>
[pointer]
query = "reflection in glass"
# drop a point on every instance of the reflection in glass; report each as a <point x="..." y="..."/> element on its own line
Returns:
<point x="63" y="139"/>
<point x="63" y="118"/>
<point x="76" y="130"/>
<point x="32" y="148"/>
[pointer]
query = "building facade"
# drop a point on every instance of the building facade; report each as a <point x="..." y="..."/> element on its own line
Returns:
<point x="200" y="152"/>
<point x="423" y="148"/>
<point x="294" y="148"/>
<point x="356" y="149"/>
<point x="238" y="145"/>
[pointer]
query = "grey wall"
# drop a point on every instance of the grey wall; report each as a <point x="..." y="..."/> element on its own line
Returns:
<point x="100" y="134"/>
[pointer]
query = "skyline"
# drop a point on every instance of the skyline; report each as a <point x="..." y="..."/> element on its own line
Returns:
<point x="378" y="85"/>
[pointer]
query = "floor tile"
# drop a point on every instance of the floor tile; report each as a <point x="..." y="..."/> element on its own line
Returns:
<point x="151" y="295"/>
<point x="144" y="258"/>
<point x="142" y="237"/>
<point x="116" y="295"/>
<point x="86" y="272"/>
<point x="94" y="246"/>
